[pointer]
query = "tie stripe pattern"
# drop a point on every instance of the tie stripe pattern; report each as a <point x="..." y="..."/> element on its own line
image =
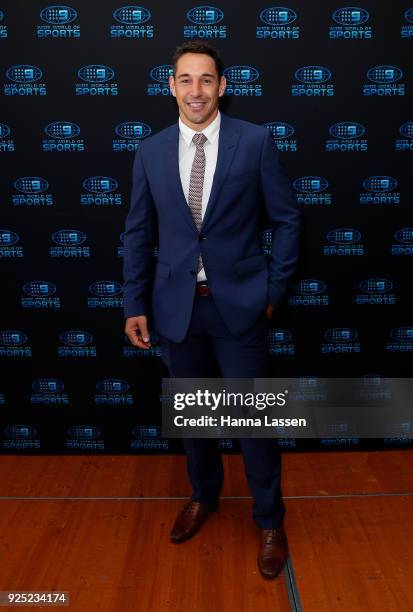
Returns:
<point x="196" y="183"/>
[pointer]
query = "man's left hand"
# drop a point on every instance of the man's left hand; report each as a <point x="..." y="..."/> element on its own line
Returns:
<point x="270" y="310"/>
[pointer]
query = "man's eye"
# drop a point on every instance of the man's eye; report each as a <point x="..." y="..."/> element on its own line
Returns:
<point x="183" y="81"/>
<point x="207" y="81"/>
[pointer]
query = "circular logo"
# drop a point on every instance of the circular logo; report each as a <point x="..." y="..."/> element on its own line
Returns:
<point x="341" y="334"/>
<point x="76" y="337"/>
<point x="205" y="15"/>
<point x="280" y="130"/>
<point x="131" y="15"/>
<point x="375" y="285"/>
<point x="343" y="236"/>
<point x="105" y="288"/>
<point x="346" y="130"/>
<point x="312" y="74"/>
<point x="278" y="15"/>
<point x="68" y="237"/>
<point x="309" y="286"/>
<point x="8" y="238"/>
<point x="380" y="183"/>
<point x="24" y="73"/>
<point x="161" y="73"/>
<point x="39" y="289"/>
<point x="350" y="16"/>
<point x="310" y="184"/>
<point x="57" y="15"/>
<point x="62" y="129"/>
<point x="133" y="130"/>
<point x="237" y="75"/>
<point x="95" y="73"/>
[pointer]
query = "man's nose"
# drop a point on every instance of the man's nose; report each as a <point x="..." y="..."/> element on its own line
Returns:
<point x="196" y="88"/>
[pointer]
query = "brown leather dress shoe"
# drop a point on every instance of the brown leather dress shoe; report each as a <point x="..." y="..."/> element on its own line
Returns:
<point x="274" y="551"/>
<point x="190" y="519"/>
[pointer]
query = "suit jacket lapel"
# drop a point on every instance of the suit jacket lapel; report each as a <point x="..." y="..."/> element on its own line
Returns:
<point x="173" y="178"/>
<point x="227" y="144"/>
<point x="228" y="140"/>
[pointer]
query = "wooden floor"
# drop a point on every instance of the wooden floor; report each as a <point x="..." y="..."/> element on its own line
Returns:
<point x="98" y="527"/>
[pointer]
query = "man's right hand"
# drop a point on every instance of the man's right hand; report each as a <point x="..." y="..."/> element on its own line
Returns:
<point x="136" y="328"/>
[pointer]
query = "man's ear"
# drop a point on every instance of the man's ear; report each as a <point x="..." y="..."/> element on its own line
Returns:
<point x="172" y="85"/>
<point x="222" y="86"/>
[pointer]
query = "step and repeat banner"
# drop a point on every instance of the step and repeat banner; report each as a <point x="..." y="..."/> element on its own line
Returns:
<point x="81" y="85"/>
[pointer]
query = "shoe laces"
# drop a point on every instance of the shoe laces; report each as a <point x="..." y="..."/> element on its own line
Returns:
<point x="271" y="536"/>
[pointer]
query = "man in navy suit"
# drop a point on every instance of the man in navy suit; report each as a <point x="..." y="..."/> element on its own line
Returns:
<point x="200" y="190"/>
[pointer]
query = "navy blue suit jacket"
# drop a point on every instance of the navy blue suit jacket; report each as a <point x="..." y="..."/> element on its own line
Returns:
<point x="248" y="182"/>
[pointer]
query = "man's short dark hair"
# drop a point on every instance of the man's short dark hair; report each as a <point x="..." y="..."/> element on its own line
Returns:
<point x="196" y="46"/>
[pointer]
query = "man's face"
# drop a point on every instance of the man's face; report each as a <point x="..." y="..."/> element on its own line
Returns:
<point x="197" y="88"/>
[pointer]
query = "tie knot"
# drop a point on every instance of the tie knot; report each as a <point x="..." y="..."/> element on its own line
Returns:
<point x="199" y="139"/>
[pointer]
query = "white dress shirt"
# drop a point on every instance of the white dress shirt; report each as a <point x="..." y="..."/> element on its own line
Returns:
<point x="186" y="157"/>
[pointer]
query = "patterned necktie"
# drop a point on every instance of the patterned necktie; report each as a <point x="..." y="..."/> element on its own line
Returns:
<point x="196" y="183"/>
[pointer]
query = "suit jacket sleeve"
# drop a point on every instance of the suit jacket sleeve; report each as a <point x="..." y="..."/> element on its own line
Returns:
<point x="284" y="217"/>
<point x="139" y="243"/>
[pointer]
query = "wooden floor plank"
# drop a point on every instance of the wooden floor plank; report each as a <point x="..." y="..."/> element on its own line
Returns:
<point x="332" y="473"/>
<point x="115" y="556"/>
<point x="352" y="554"/>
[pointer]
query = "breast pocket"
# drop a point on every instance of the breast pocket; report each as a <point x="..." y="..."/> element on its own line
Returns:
<point x="245" y="177"/>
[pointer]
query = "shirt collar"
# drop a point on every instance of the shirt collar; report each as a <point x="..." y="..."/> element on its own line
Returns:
<point x="211" y="131"/>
